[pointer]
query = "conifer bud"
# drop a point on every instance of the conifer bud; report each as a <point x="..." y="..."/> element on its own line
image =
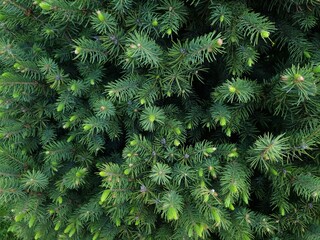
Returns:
<point x="228" y="132"/>
<point x="45" y="6"/>
<point x="177" y="131"/>
<point x="68" y="228"/>
<point x="87" y="127"/>
<point x="232" y="89"/>
<point x="245" y="199"/>
<point x="172" y="214"/>
<point x="211" y="149"/>
<point x="105" y="194"/>
<point x="200" y="172"/>
<point x="48" y="31"/>
<point x="213" y="192"/>
<point x="60" y="107"/>
<point x="71" y="138"/>
<point x="273" y="172"/>
<point x="284" y="77"/>
<point x="15" y="95"/>
<point x="152" y="117"/>
<point x="169" y="31"/>
<point x="221" y="18"/>
<point x="198" y="228"/>
<point x="60" y="200"/>
<point x="103" y="174"/>
<point x="101" y="17"/>
<point x="155" y="23"/>
<point x="73" y="118"/>
<point x="264" y="34"/>
<point x="77" y="50"/>
<point x="2" y="17"/>
<point x="316" y="69"/>
<point x="306" y="54"/>
<point x="215" y="215"/>
<point x="176" y="142"/>
<point x="282" y="211"/>
<point x="223" y="121"/>
<point x="73" y="87"/>
<point x="142" y="101"/>
<point x="96" y="236"/>
<point x="233" y="188"/>
<point x="66" y="125"/>
<point x="17" y="66"/>
<point x="133" y="142"/>
<point x="298" y="78"/>
<point x="19" y="217"/>
<point x="57" y="226"/>
<point x="233" y="154"/>
<point x="118" y="222"/>
<point x="81" y="172"/>
<point x="32" y="221"/>
<point x="202" y="184"/>
<point x="38" y="235"/>
<point x="6" y="74"/>
<point x="250" y="62"/>
<point x="219" y="42"/>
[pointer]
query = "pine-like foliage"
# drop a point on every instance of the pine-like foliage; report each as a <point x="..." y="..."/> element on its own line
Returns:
<point x="162" y="119"/>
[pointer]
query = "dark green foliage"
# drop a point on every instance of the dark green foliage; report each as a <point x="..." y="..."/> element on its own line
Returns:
<point x="163" y="119"/>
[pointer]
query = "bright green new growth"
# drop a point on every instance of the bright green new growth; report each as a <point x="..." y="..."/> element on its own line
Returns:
<point x="162" y="119"/>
